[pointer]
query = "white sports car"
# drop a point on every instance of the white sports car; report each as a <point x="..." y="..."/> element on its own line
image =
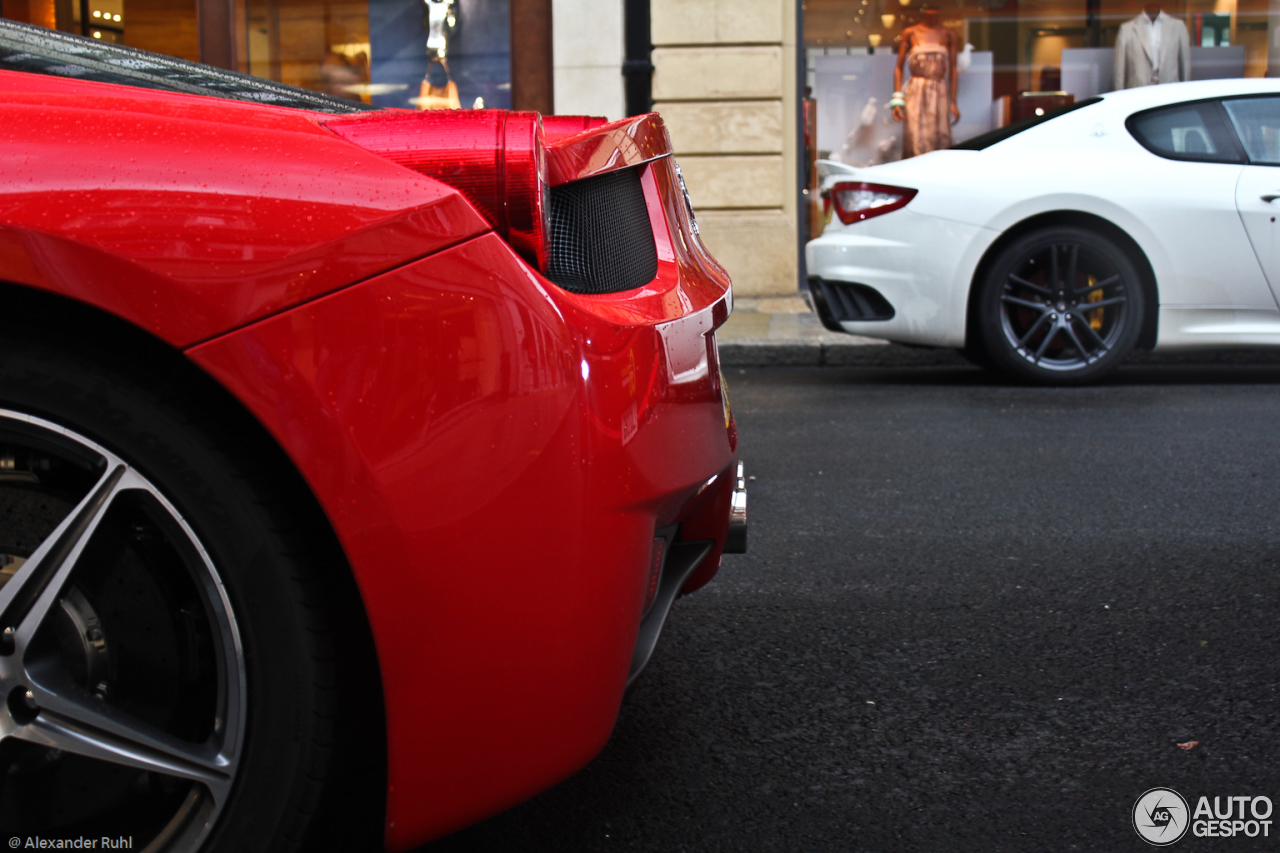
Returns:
<point x="1051" y="248"/>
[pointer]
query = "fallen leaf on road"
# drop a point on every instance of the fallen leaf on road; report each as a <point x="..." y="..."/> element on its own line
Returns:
<point x="1189" y="745"/>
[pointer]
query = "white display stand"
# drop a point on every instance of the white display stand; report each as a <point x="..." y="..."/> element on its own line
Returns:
<point x="1217" y="63"/>
<point x="973" y="97"/>
<point x="1087" y="71"/>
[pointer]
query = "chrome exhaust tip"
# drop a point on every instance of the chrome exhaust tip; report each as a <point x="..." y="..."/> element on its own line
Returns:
<point x="736" y="540"/>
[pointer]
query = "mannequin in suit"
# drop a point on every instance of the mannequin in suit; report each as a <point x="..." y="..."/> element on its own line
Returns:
<point x="1152" y="48"/>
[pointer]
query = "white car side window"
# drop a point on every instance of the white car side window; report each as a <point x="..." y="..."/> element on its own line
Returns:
<point x="1257" y="121"/>
<point x="1191" y="131"/>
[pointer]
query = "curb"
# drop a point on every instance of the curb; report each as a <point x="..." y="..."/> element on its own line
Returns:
<point x="761" y="353"/>
<point x="800" y="353"/>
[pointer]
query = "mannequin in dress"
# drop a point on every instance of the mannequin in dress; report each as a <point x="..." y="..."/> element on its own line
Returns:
<point x="927" y="108"/>
<point x="1152" y="48"/>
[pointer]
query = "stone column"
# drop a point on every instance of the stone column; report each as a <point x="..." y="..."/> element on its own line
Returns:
<point x="725" y="84"/>
<point x="587" y="46"/>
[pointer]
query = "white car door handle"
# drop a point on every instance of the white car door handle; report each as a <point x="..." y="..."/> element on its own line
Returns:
<point x="1271" y="196"/>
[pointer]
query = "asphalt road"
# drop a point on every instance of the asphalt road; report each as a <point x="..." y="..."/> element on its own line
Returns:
<point x="974" y="617"/>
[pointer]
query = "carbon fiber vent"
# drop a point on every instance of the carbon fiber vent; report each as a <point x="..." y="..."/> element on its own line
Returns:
<point x="601" y="239"/>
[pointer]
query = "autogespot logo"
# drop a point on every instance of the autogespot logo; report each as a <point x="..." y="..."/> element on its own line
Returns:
<point x="1160" y="816"/>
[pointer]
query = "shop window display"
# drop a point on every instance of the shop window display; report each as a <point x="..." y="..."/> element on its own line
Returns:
<point x="424" y="54"/>
<point x="430" y="55"/>
<point x="1012" y="59"/>
<point x="162" y="26"/>
<point x="322" y="46"/>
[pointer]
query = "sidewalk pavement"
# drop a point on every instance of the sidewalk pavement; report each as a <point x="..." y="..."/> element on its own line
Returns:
<point x="782" y="331"/>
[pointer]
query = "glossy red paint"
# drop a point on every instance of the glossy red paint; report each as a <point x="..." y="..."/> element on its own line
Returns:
<point x="623" y="143"/>
<point x="509" y="451"/>
<point x="188" y="215"/>
<point x="558" y="127"/>
<point x="494" y="453"/>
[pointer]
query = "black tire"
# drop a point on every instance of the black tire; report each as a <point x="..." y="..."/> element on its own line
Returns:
<point x="194" y="485"/>
<point x="1060" y="306"/>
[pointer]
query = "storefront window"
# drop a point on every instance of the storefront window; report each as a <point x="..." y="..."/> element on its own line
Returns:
<point x="424" y="54"/>
<point x="162" y="26"/>
<point x="1014" y="58"/>
<point x="322" y="46"/>
<point x="395" y="53"/>
<point x="474" y="71"/>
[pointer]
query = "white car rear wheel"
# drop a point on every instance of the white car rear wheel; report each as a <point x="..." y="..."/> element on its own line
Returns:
<point x="1060" y="306"/>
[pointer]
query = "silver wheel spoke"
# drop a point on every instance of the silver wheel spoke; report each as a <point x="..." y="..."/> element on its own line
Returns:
<point x="27" y="597"/>
<point x="1022" y="282"/>
<point x="1071" y="333"/>
<point x="1040" y="321"/>
<point x="1084" y="323"/>
<point x="1069" y="284"/>
<point x="1103" y="303"/>
<point x="1045" y="343"/>
<point x="1022" y="303"/>
<point x="1107" y="282"/>
<point x="108" y="735"/>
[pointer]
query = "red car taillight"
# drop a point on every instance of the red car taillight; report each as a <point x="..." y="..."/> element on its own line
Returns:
<point x="496" y="158"/>
<point x="855" y="202"/>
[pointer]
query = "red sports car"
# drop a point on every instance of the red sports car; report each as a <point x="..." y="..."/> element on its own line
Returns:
<point x="350" y="459"/>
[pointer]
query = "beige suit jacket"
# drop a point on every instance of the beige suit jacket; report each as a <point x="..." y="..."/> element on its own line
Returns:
<point x="1134" y="65"/>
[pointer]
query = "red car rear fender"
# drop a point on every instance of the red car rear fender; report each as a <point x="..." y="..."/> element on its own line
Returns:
<point x="495" y="454"/>
<point x="189" y="216"/>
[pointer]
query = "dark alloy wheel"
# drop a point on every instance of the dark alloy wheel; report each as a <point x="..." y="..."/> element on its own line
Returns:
<point x="1060" y="306"/>
<point x="120" y="660"/>
<point x="167" y="662"/>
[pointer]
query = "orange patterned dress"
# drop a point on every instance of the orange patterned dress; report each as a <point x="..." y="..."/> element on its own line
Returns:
<point x="927" y="124"/>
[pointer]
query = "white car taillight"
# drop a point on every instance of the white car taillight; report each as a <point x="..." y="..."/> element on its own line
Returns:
<point x="855" y="202"/>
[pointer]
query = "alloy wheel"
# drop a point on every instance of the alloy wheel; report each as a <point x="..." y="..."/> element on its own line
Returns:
<point x="1064" y="306"/>
<point x="122" y="676"/>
